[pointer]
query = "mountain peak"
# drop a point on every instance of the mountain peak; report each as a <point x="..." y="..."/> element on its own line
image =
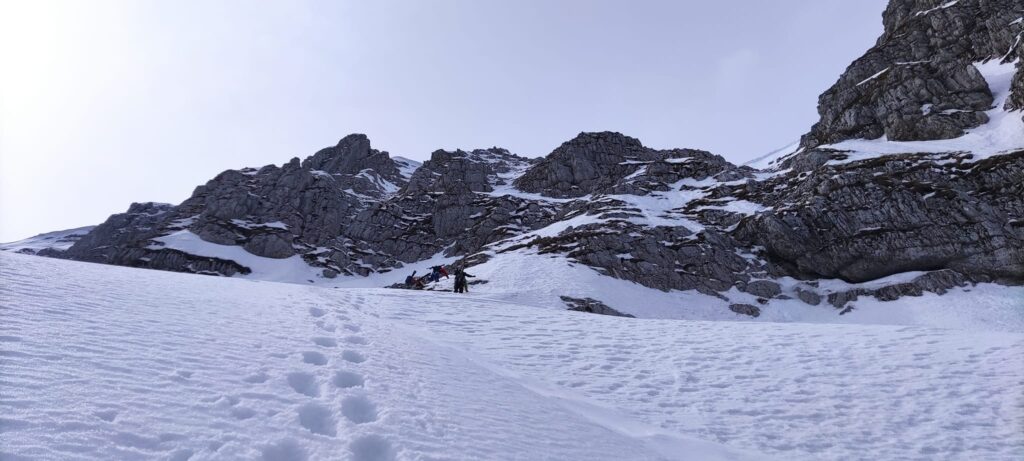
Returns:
<point x="351" y="155"/>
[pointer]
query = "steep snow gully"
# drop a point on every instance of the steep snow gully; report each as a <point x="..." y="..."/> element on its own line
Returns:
<point x="105" y="362"/>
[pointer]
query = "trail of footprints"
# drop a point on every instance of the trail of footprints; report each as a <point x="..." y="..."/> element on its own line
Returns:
<point x="314" y="414"/>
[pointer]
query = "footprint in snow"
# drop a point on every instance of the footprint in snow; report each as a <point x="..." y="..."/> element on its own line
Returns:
<point x="317" y="312"/>
<point x="359" y="409"/>
<point x="325" y="326"/>
<point x="346" y="379"/>
<point x="304" y="383"/>
<point x="352" y="328"/>
<point x="324" y="341"/>
<point x="284" y="450"/>
<point x="317" y="419"/>
<point x="257" y="378"/>
<point x="371" y="448"/>
<point x="356" y="340"/>
<point x="353" y="356"/>
<point x="314" y="358"/>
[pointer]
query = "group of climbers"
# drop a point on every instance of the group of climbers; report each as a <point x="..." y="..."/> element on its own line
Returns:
<point x="436" y="272"/>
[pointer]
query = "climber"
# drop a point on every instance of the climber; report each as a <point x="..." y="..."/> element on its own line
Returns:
<point x="414" y="282"/>
<point x="437" y="271"/>
<point x="461" y="285"/>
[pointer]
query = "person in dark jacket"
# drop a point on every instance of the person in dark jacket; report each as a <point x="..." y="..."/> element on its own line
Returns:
<point x="461" y="285"/>
<point x="410" y="280"/>
<point x="438" y="271"/>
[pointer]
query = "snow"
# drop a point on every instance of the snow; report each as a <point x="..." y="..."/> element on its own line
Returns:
<point x="292" y="269"/>
<point x="636" y="162"/>
<point x="406" y="167"/>
<point x="1003" y="133"/>
<point x="510" y="190"/>
<point x="58" y="240"/>
<point x="737" y="206"/>
<point x="523" y="276"/>
<point x="876" y="75"/>
<point x="321" y="174"/>
<point x="678" y="160"/>
<point x="104" y="362"/>
<point x="1016" y="42"/>
<point x="770" y="159"/>
<point x="639" y="172"/>
<point x="659" y="208"/>
<point x="940" y="7"/>
<point x="267" y="225"/>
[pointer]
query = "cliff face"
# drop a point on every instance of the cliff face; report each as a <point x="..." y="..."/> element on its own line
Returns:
<point x="941" y="74"/>
<point x="919" y="81"/>
<point x="917" y="164"/>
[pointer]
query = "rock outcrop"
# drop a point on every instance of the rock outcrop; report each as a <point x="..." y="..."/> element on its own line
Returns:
<point x="592" y="306"/>
<point x="869" y="219"/>
<point x="918" y="82"/>
<point x="588" y="163"/>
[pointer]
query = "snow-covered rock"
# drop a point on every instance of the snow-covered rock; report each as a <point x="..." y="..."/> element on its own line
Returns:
<point x="55" y="241"/>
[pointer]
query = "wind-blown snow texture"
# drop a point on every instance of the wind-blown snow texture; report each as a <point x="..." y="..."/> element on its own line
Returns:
<point x="103" y="362"/>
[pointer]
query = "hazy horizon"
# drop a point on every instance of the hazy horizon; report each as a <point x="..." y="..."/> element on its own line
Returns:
<point x="111" y="102"/>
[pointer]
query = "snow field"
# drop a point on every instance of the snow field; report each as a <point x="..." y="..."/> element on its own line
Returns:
<point x="103" y="362"/>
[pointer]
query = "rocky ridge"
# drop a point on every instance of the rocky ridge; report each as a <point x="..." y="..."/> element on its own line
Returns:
<point x="678" y="219"/>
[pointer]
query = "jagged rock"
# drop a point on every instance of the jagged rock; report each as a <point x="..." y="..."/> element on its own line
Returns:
<point x="276" y="212"/>
<point x="459" y="171"/>
<point x="353" y="155"/>
<point x="918" y="81"/>
<point x="101" y="244"/>
<point x="276" y="245"/>
<point x="591" y="305"/>
<point x="936" y="282"/>
<point x="842" y="298"/>
<point x="865" y="220"/>
<point x="444" y="206"/>
<point x="808" y="296"/>
<point x="589" y="163"/>
<point x="745" y="309"/>
<point x="907" y="102"/>
<point x="1016" y="99"/>
<point x="763" y="288"/>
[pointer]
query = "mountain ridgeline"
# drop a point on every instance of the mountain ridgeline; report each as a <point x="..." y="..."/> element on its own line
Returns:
<point x="678" y="219"/>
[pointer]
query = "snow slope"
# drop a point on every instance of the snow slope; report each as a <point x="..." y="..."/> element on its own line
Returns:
<point x="523" y="276"/>
<point x="104" y="362"/>
<point x="58" y="240"/>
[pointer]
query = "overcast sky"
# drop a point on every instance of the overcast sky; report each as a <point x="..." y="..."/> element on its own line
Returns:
<point x="103" y="103"/>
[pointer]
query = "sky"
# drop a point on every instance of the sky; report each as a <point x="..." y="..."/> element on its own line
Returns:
<point x="104" y="103"/>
